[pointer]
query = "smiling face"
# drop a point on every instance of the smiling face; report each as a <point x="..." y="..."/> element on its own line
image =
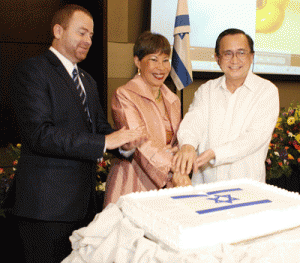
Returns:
<point x="235" y="69"/>
<point x="75" y="40"/>
<point x="154" y="68"/>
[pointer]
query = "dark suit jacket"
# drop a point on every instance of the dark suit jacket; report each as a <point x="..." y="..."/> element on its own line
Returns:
<point x="56" y="173"/>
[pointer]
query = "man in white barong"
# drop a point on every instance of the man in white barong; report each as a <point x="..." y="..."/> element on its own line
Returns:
<point x="227" y="130"/>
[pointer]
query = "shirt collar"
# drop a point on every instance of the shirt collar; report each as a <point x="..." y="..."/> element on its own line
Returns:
<point x="67" y="63"/>
<point x="249" y="82"/>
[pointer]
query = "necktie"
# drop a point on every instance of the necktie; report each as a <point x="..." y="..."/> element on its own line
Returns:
<point x="81" y="94"/>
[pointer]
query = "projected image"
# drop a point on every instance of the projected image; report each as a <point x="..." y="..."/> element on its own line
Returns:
<point x="273" y="24"/>
<point x="270" y="15"/>
<point x="276" y="39"/>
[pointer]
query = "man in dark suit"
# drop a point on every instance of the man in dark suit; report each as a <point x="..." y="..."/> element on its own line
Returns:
<point x="64" y="132"/>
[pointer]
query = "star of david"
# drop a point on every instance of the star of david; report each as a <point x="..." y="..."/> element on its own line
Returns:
<point x="223" y="199"/>
<point x="182" y="35"/>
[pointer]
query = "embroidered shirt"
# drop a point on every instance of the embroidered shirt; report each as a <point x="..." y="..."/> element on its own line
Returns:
<point x="236" y="126"/>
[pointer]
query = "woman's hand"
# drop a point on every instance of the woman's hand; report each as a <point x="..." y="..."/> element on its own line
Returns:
<point x="123" y="137"/>
<point x="179" y="179"/>
<point x="137" y="142"/>
<point x="170" y="149"/>
<point x="183" y="160"/>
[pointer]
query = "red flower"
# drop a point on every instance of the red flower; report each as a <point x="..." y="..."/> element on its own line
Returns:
<point x="280" y="163"/>
<point x="296" y="145"/>
<point x="1" y="170"/>
<point x="102" y="164"/>
<point x="15" y="162"/>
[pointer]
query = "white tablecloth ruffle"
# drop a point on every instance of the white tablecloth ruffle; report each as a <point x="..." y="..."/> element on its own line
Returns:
<point x="111" y="237"/>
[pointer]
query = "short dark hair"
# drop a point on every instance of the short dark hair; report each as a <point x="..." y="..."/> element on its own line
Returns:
<point x="233" y="31"/>
<point x="64" y="14"/>
<point x="150" y="43"/>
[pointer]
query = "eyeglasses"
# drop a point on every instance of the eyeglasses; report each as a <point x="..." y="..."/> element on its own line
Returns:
<point x="240" y="54"/>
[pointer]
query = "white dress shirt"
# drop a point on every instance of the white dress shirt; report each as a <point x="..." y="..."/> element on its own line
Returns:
<point x="236" y="126"/>
<point x="69" y="66"/>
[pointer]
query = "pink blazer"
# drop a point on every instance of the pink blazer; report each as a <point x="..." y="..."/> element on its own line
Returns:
<point x="133" y="106"/>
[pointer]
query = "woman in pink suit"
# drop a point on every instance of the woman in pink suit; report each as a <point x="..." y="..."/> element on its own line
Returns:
<point x="146" y="103"/>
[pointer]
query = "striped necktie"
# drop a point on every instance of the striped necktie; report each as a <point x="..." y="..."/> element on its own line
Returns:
<point x="81" y="94"/>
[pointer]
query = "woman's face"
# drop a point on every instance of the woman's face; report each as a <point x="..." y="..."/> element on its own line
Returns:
<point x="154" y="68"/>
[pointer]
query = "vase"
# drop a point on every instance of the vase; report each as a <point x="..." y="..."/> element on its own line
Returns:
<point x="10" y="241"/>
<point x="280" y="182"/>
<point x="293" y="181"/>
<point x="290" y="183"/>
<point x="100" y="200"/>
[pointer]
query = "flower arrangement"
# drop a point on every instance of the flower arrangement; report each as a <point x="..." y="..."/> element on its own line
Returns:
<point x="284" y="149"/>
<point x="103" y="168"/>
<point x="7" y="173"/>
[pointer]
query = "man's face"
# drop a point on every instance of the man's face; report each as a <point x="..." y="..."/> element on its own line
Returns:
<point x="235" y="68"/>
<point x="76" y="40"/>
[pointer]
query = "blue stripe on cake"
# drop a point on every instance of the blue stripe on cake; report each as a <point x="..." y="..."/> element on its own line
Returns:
<point x="186" y="196"/>
<point x="216" y="209"/>
<point x="208" y="193"/>
<point x="223" y="191"/>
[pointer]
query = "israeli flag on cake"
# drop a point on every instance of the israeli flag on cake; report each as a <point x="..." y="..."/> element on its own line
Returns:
<point x="181" y="71"/>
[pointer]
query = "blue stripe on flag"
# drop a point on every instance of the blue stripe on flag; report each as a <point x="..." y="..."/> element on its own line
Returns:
<point x="182" y="20"/>
<point x="232" y="206"/>
<point x="180" y="69"/>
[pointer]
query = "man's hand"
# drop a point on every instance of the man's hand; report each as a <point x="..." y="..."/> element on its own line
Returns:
<point x="183" y="160"/>
<point x="181" y="179"/>
<point x="203" y="159"/>
<point x="123" y="137"/>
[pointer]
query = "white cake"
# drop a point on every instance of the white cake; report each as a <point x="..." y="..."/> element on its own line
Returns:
<point x="187" y="218"/>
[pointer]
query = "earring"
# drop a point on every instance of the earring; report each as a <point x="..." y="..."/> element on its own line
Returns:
<point x="139" y="72"/>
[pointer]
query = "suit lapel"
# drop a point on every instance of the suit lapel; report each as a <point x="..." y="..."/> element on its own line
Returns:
<point x="61" y="70"/>
<point x="67" y="82"/>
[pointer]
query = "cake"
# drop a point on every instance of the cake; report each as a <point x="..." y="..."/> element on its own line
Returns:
<point x="189" y="218"/>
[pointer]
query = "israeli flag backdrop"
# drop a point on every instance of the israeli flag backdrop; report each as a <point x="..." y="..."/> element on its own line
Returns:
<point x="181" y="71"/>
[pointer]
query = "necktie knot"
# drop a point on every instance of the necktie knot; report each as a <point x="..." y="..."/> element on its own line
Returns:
<point x="75" y="74"/>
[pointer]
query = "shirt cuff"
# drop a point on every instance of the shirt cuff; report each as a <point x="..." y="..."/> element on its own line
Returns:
<point x="212" y="161"/>
<point x="101" y="159"/>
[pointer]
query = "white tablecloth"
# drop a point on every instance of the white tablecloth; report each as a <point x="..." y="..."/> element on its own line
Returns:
<point x="111" y="237"/>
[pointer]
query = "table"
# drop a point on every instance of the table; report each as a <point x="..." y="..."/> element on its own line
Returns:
<point x="111" y="237"/>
